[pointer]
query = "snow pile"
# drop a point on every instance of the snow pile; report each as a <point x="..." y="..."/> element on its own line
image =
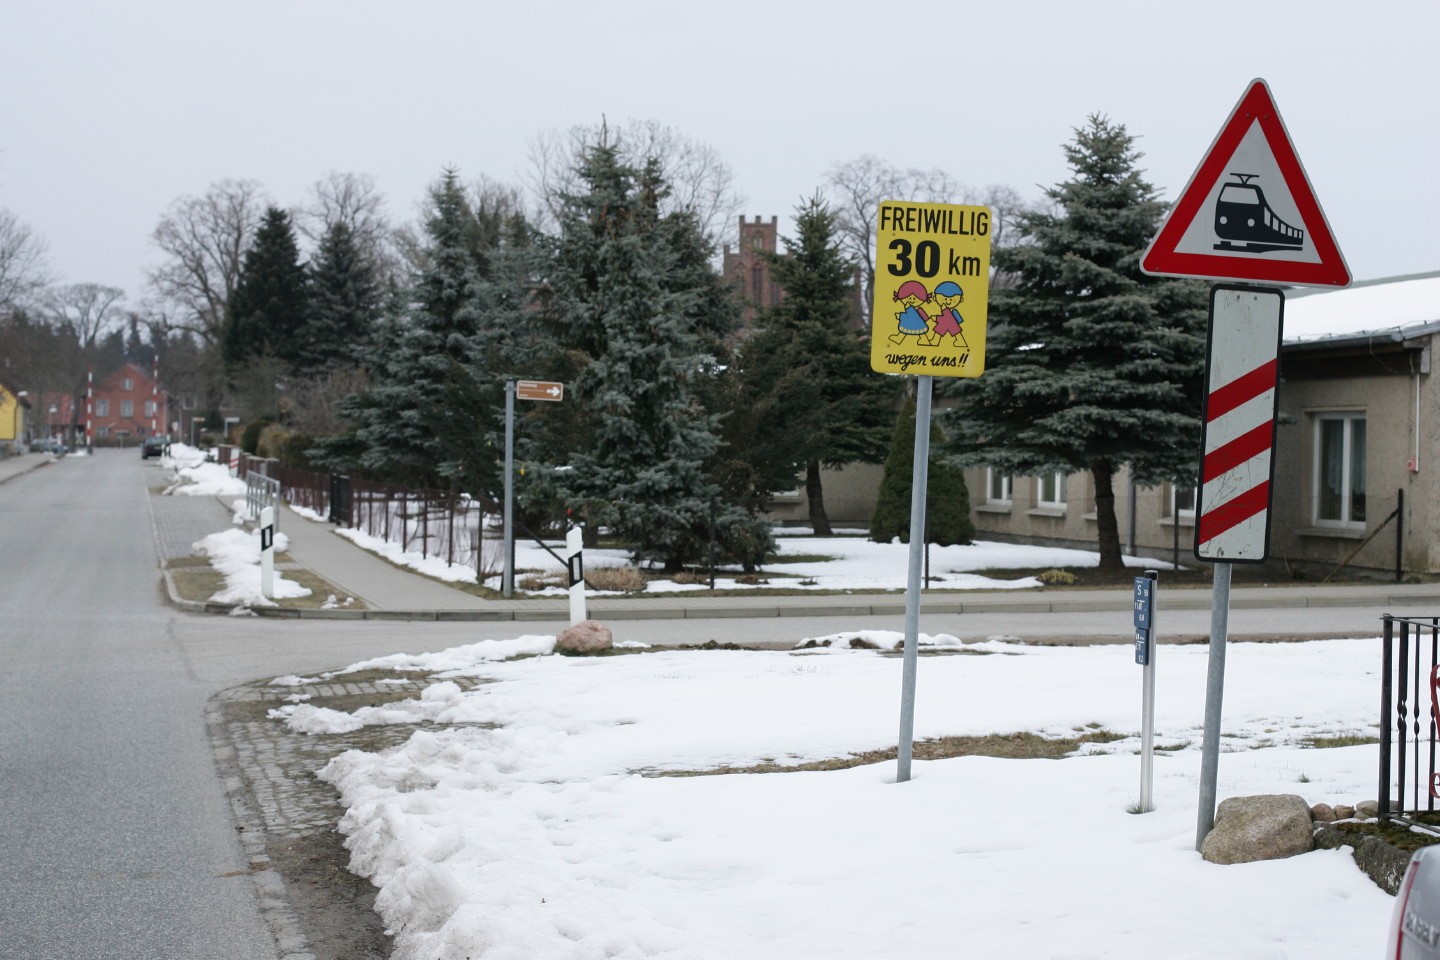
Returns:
<point x="180" y="456"/>
<point x="235" y="554"/>
<point x="206" y="480"/>
<point x="430" y="566"/>
<point x="536" y="839"/>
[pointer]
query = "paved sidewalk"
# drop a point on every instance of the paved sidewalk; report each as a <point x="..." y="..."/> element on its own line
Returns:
<point x="394" y="593"/>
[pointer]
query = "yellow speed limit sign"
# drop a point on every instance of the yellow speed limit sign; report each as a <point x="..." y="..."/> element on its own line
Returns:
<point x="932" y="287"/>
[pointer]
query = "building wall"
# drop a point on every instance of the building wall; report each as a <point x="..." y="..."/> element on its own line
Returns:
<point x="111" y="396"/>
<point x="1399" y="404"/>
<point x="849" y="497"/>
<point x="748" y="271"/>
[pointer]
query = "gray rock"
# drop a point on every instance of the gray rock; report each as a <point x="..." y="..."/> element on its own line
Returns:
<point x="1367" y="809"/>
<point x="1323" y="813"/>
<point x="587" y="636"/>
<point x="1267" y="827"/>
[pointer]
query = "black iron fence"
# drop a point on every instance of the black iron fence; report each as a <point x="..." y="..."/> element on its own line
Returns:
<point x="1409" y="716"/>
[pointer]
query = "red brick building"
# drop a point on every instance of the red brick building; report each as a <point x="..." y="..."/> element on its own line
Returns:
<point x="127" y="406"/>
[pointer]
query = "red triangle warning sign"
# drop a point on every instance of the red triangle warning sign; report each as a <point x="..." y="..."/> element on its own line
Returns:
<point x="1248" y="212"/>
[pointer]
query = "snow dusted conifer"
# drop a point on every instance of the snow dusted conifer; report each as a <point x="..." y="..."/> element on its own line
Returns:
<point x="1090" y="364"/>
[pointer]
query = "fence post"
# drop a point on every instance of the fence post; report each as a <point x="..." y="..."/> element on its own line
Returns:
<point x="1387" y="668"/>
<point x="1399" y="534"/>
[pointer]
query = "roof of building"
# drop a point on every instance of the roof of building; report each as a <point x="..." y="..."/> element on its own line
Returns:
<point x="1394" y="308"/>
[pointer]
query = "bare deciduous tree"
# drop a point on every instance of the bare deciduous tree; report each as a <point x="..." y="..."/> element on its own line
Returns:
<point x="701" y="183"/>
<point x="352" y="199"/>
<point x="89" y="309"/>
<point x="205" y="239"/>
<point x="23" y="267"/>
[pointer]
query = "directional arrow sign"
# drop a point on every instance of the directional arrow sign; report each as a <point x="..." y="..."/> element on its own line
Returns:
<point x="539" y="390"/>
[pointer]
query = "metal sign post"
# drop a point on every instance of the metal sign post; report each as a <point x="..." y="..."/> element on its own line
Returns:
<point x="1145" y="642"/>
<point x="919" y="485"/>
<point x="507" y="579"/>
<point x="932" y="296"/>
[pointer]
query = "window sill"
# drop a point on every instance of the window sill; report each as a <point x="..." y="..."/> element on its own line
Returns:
<point x="1057" y="512"/>
<point x="997" y="507"/>
<point x="1333" y="533"/>
<point x="1170" y="521"/>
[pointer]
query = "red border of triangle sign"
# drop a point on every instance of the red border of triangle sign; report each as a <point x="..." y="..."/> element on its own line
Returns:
<point x="1302" y="253"/>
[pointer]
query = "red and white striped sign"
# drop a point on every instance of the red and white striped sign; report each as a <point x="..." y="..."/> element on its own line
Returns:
<point x="1242" y="373"/>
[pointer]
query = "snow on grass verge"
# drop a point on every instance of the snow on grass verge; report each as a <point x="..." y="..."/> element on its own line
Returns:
<point x="235" y="554"/>
<point x="539" y="838"/>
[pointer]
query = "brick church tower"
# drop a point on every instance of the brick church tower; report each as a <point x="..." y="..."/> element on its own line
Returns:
<point x="748" y="271"/>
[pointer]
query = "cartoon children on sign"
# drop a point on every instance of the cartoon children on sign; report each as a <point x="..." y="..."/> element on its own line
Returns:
<point x="947" y="297"/>
<point x="913" y="321"/>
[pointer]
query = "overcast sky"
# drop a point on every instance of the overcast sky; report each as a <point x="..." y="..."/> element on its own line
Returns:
<point x="110" y="111"/>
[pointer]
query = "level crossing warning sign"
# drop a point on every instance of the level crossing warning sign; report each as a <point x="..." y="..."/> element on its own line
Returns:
<point x="932" y="289"/>
<point x="1237" y="464"/>
<point x="1248" y="212"/>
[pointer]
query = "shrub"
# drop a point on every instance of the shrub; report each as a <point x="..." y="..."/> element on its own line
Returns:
<point x="1060" y="577"/>
<point x="250" y="436"/>
<point x="621" y="579"/>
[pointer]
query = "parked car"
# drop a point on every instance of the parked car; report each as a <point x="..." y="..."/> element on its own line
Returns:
<point x="154" y="446"/>
<point x="1415" y="923"/>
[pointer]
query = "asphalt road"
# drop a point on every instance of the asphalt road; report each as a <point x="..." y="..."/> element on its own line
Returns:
<point x="117" y="837"/>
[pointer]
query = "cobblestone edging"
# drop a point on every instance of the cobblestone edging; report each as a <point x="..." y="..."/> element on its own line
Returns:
<point x="286" y="816"/>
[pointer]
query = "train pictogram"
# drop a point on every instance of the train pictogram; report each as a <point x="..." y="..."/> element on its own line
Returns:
<point x="1245" y="222"/>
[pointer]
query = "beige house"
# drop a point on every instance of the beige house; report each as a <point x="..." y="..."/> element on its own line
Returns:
<point x="1359" y="430"/>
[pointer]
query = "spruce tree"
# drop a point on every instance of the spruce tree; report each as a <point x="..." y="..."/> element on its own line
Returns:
<point x="1090" y="364"/>
<point x="947" y="499"/>
<point x="344" y="303"/>
<point x="635" y="308"/>
<point x="401" y="423"/>
<point x="807" y="370"/>
<point x="266" y="313"/>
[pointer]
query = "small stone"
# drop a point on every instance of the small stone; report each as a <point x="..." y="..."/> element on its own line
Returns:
<point x="1344" y="811"/>
<point x="587" y="636"/>
<point x="1323" y="813"/>
<point x="1367" y="809"/>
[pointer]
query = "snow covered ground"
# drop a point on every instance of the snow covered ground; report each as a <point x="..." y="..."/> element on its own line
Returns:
<point x="538" y="838"/>
<point x="856" y="564"/>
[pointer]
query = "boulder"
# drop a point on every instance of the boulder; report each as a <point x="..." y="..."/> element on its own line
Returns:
<point x="1367" y="809"/>
<point x="1343" y="812"/>
<point x="587" y="636"/>
<point x="1267" y="827"/>
<point x="1323" y="813"/>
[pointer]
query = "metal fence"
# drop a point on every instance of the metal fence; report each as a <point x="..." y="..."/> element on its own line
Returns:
<point x="261" y="492"/>
<point x="433" y="523"/>
<point x="1409" y="716"/>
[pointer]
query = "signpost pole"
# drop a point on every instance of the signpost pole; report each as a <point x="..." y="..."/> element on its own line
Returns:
<point x="1147" y="705"/>
<point x="507" y="580"/>
<point x="1214" y="694"/>
<point x="919" y="484"/>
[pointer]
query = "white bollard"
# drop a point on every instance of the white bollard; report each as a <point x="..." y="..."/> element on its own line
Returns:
<point x="267" y="553"/>
<point x="575" y="564"/>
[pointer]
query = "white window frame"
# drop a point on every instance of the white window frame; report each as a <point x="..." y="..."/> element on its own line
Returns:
<point x="1054" y="498"/>
<point x="1177" y="511"/>
<point x="127" y="409"/>
<point x="102" y="408"/>
<point x="1348" y="418"/>
<point x="999" y="487"/>
<point x="127" y="384"/>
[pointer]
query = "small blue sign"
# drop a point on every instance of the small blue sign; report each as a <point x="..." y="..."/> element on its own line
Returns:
<point x="1142" y="647"/>
<point x="1144" y="602"/>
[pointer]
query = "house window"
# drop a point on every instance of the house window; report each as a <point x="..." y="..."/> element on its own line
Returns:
<point x="1051" y="490"/>
<point x="1182" y="502"/>
<point x="127" y="384"/>
<point x="999" y="487"/>
<point x="102" y="408"/>
<point x="1340" y="469"/>
<point x="149" y="408"/>
<point x="127" y="408"/>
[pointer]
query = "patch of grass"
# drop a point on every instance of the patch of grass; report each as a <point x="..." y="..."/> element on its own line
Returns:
<point x="1396" y="834"/>
<point x="1013" y="746"/>
<point x="621" y="579"/>
<point x="1304" y="778"/>
<point x="1056" y="578"/>
<point x="1325" y="743"/>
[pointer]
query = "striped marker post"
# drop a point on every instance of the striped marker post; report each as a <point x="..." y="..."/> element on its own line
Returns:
<point x="1239" y="438"/>
<point x="1236" y="473"/>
